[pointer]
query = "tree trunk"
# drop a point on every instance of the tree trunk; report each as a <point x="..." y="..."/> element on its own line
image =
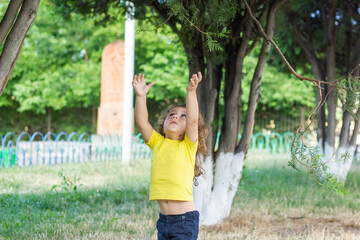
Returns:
<point x="305" y="40"/>
<point x="93" y="117"/>
<point x="230" y="127"/>
<point x="336" y="167"/>
<point x="14" y="40"/>
<point x="214" y="195"/>
<point x="214" y="204"/>
<point x="9" y="18"/>
<point x="208" y="94"/>
<point x="48" y="111"/>
<point x="347" y="145"/>
<point x="328" y="15"/>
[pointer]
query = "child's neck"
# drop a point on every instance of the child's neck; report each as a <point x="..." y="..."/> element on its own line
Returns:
<point x="174" y="136"/>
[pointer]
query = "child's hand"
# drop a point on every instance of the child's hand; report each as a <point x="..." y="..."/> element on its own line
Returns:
<point x="194" y="82"/>
<point x="140" y="86"/>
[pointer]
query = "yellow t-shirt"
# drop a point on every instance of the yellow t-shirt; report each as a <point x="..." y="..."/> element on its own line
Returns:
<point x="172" y="168"/>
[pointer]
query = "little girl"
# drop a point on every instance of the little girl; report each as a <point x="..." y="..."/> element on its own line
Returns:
<point x="175" y="163"/>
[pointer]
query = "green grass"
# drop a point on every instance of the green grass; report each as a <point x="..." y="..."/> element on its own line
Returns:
<point x="108" y="194"/>
<point x="109" y="200"/>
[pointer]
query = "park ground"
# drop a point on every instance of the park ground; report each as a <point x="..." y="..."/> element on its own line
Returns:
<point x="109" y="200"/>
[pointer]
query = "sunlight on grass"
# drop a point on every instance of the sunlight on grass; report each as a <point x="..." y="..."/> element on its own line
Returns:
<point x="93" y="174"/>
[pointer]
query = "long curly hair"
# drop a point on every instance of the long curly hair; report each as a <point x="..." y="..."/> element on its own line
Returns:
<point x="202" y="134"/>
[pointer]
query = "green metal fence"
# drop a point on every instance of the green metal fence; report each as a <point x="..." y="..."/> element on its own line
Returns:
<point x="50" y="149"/>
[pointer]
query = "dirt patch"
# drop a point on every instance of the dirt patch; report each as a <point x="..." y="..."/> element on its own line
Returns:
<point x="253" y="226"/>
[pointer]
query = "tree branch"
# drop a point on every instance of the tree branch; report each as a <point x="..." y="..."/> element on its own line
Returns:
<point x="15" y="40"/>
<point x="315" y="81"/>
<point x="168" y="18"/>
<point x="256" y="80"/>
<point x="9" y="18"/>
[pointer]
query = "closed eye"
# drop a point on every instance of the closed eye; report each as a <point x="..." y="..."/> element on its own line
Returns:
<point x="183" y="115"/>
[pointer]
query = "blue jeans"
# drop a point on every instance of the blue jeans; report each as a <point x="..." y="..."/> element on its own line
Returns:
<point x="181" y="227"/>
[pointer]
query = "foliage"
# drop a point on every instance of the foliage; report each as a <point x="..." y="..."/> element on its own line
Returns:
<point x="309" y="156"/>
<point x="349" y="94"/>
<point x="305" y="156"/>
<point x="280" y="90"/>
<point x="65" y="120"/>
<point x="216" y="19"/>
<point x="58" y="65"/>
<point x="59" y="68"/>
<point x="101" y="11"/>
<point x="69" y="186"/>
<point x="308" y="18"/>
<point x="161" y="57"/>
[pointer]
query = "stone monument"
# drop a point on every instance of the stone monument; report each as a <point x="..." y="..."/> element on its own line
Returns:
<point x="112" y="89"/>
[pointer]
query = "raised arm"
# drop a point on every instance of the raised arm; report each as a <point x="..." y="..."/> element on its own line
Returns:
<point x="141" y="112"/>
<point x="192" y="108"/>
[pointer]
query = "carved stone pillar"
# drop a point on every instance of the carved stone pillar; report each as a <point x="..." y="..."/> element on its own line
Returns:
<point x="112" y="85"/>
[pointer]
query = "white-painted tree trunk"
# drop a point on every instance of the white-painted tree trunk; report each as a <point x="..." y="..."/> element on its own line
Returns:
<point x="203" y="190"/>
<point x="213" y="196"/>
<point x="337" y="167"/>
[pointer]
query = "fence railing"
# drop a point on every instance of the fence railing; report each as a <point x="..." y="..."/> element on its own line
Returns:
<point x="51" y="149"/>
<point x="274" y="143"/>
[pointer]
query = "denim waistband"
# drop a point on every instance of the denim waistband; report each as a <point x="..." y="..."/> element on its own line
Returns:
<point x="179" y="217"/>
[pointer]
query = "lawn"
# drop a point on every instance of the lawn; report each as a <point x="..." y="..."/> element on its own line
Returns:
<point x="109" y="200"/>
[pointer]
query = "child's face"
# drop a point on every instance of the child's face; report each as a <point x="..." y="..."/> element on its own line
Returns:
<point x="175" y="122"/>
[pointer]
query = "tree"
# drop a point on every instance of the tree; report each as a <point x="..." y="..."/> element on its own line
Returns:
<point x="201" y="27"/>
<point x="223" y="168"/>
<point x="13" y="29"/>
<point x="329" y="35"/>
